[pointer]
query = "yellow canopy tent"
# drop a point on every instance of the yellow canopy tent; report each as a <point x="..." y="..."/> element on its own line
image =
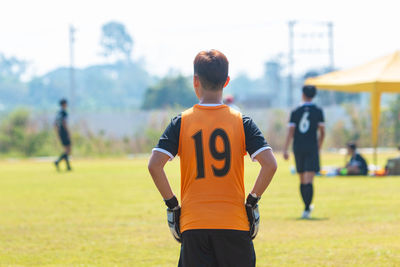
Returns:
<point x="378" y="76"/>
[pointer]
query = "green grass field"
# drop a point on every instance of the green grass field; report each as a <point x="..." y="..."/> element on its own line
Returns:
<point x="107" y="212"/>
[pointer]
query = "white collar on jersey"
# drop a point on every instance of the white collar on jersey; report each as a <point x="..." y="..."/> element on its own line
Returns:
<point x="307" y="103"/>
<point x="211" y="105"/>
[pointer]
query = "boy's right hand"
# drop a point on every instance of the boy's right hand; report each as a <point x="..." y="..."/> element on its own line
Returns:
<point x="253" y="215"/>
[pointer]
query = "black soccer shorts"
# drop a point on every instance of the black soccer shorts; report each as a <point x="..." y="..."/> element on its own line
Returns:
<point x="65" y="140"/>
<point x="217" y="248"/>
<point x="307" y="161"/>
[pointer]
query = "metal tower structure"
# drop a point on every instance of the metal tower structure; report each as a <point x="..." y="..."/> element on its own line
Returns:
<point x="323" y="33"/>
<point x="72" y="31"/>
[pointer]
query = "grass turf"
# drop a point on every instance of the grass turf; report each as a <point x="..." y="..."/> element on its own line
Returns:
<point x="107" y="212"/>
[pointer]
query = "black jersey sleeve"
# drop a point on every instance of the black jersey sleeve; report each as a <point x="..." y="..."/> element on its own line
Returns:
<point x="292" y="120"/>
<point x="169" y="140"/>
<point x="255" y="141"/>
<point x="321" y="118"/>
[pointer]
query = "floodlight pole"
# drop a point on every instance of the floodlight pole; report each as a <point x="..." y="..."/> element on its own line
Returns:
<point x="326" y="35"/>
<point x="290" y="62"/>
<point x="331" y="51"/>
<point x="71" y="68"/>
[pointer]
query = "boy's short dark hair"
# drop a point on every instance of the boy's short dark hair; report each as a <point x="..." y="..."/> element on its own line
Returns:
<point x="309" y="91"/>
<point x="212" y="69"/>
<point x="63" y="101"/>
<point x="352" y="145"/>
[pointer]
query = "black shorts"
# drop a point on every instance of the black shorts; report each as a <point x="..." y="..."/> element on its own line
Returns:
<point x="65" y="139"/>
<point x="217" y="248"/>
<point x="307" y="161"/>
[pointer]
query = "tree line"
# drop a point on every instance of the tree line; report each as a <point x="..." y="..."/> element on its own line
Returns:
<point x="122" y="83"/>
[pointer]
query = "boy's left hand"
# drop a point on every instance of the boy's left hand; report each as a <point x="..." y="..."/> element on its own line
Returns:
<point x="173" y="217"/>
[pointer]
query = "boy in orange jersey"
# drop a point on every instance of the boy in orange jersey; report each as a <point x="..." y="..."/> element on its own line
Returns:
<point x="215" y="225"/>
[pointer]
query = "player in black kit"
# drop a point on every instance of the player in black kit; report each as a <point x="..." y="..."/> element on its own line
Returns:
<point x="63" y="133"/>
<point x="305" y="123"/>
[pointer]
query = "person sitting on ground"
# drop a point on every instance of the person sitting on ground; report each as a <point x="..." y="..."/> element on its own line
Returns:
<point x="357" y="164"/>
<point x="393" y="165"/>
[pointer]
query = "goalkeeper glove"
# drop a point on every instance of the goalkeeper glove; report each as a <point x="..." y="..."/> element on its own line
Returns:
<point x="173" y="217"/>
<point x="253" y="214"/>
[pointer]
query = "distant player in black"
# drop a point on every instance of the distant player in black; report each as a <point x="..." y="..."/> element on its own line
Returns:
<point x="357" y="164"/>
<point x="305" y="123"/>
<point x="63" y="134"/>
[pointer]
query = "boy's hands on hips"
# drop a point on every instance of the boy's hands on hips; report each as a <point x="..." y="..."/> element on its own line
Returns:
<point x="253" y="214"/>
<point x="173" y="217"/>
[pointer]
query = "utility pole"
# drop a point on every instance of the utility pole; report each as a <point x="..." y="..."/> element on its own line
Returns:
<point x="330" y="36"/>
<point x="71" y="67"/>
<point x="290" y="62"/>
<point x="330" y="52"/>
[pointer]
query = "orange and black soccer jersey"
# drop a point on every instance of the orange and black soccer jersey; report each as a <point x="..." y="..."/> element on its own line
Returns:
<point x="211" y="141"/>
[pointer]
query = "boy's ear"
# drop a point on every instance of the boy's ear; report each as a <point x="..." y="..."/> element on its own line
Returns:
<point x="227" y="81"/>
<point x="196" y="85"/>
<point x="196" y="81"/>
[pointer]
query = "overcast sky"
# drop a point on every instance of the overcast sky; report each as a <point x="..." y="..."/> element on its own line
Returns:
<point x="169" y="33"/>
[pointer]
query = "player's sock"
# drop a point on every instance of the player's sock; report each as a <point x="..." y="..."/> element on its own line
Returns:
<point x="56" y="164"/>
<point x="60" y="158"/>
<point x="309" y="191"/>
<point x="303" y="191"/>
<point x="67" y="161"/>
